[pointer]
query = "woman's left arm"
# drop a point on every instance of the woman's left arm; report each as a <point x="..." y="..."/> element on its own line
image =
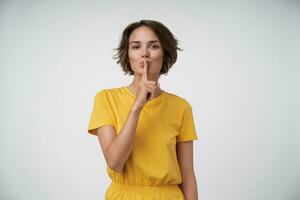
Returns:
<point x="185" y="160"/>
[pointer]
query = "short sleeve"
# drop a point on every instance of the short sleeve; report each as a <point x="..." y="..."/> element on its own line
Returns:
<point x="101" y="113"/>
<point x="187" y="130"/>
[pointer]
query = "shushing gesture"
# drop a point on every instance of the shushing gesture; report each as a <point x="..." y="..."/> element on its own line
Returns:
<point x="147" y="90"/>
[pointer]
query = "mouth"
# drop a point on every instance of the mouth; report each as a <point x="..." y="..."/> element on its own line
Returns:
<point x="142" y="63"/>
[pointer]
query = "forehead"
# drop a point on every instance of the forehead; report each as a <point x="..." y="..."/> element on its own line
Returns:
<point x="142" y="34"/>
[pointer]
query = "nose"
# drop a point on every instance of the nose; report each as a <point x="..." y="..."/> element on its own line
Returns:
<point x="145" y="52"/>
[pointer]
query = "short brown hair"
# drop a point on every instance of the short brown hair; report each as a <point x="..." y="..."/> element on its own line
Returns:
<point x="168" y="42"/>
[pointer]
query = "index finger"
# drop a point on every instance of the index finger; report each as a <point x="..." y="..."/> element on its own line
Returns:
<point x="145" y="71"/>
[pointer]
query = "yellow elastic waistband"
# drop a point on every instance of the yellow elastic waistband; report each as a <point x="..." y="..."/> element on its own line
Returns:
<point x="143" y="188"/>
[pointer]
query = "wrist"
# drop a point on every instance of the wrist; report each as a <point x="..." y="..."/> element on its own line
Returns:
<point x="136" y="108"/>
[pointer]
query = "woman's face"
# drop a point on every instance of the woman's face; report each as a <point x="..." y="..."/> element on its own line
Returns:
<point x="143" y="43"/>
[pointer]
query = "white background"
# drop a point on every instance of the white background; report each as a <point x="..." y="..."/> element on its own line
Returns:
<point x="239" y="70"/>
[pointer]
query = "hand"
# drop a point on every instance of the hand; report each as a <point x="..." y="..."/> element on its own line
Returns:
<point x="147" y="90"/>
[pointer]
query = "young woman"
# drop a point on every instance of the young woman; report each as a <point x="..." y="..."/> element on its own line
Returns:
<point x="146" y="134"/>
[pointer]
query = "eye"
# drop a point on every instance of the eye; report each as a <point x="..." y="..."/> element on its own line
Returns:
<point x="134" y="47"/>
<point x="155" y="46"/>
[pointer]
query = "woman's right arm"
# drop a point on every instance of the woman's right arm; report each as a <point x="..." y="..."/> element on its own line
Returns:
<point x="117" y="148"/>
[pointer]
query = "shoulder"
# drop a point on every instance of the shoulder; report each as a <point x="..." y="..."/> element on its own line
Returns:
<point x="105" y="94"/>
<point x="178" y="100"/>
<point x="108" y="91"/>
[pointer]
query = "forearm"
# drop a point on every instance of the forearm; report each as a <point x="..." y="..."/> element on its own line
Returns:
<point x="189" y="189"/>
<point x="119" y="151"/>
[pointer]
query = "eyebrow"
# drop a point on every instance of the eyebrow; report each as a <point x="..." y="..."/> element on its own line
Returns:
<point x="151" y="41"/>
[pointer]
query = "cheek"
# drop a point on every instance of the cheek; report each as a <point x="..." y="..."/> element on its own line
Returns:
<point x="158" y="55"/>
<point x="132" y="55"/>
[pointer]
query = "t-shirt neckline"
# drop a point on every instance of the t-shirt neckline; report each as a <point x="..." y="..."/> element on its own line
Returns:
<point x="148" y="102"/>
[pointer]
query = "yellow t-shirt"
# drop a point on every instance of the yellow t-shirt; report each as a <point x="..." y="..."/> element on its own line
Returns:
<point x="163" y="121"/>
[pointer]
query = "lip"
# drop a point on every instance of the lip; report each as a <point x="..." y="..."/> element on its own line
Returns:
<point x="148" y="62"/>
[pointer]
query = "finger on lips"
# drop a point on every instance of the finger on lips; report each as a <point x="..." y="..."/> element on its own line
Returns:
<point x="145" y="71"/>
<point x="150" y="85"/>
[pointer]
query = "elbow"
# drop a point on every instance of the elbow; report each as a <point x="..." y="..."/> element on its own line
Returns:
<point x="113" y="163"/>
<point x="115" y="166"/>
